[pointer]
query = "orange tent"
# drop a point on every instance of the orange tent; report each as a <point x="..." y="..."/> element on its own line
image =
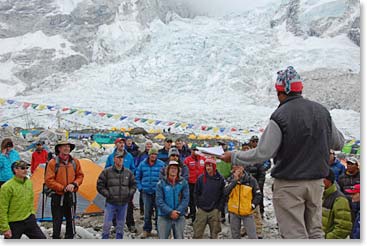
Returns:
<point x="88" y="199"/>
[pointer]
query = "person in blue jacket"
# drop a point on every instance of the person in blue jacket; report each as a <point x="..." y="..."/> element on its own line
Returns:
<point x="147" y="177"/>
<point x="8" y="156"/>
<point x="129" y="164"/>
<point x="172" y="199"/>
<point x="128" y="159"/>
<point x="335" y="165"/>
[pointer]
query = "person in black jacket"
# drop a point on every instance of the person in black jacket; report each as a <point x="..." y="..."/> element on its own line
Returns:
<point x="131" y="147"/>
<point x="117" y="184"/>
<point x="299" y="136"/>
<point x="209" y="199"/>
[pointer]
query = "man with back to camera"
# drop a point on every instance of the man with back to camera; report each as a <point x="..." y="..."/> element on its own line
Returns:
<point x="299" y="136"/>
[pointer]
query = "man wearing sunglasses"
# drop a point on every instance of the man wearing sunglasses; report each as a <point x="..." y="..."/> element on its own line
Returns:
<point x="8" y="156"/>
<point x="17" y="215"/>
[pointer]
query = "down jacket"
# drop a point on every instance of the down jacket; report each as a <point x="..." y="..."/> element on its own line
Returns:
<point x="117" y="186"/>
<point x="336" y="216"/>
<point x="147" y="176"/>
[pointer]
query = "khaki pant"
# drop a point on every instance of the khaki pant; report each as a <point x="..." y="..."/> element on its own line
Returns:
<point x="203" y="218"/>
<point x="258" y="221"/>
<point x="298" y="208"/>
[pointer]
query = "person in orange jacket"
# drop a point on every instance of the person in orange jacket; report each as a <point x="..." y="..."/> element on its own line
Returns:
<point x="64" y="182"/>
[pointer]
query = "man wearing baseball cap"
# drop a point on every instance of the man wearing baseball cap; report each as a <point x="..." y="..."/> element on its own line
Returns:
<point x="355" y="193"/>
<point x="128" y="163"/>
<point x="117" y="184"/>
<point x="17" y="215"/>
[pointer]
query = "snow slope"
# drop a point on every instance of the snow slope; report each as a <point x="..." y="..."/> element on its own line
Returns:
<point x="217" y="71"/>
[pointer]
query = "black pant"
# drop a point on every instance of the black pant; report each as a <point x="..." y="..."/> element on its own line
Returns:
<point x="28" y="227"/>
<point x="61" y="206"/>
<point x="192" y="203"/>
<point x="262" y="208"/>
<point x="130" y="213"/>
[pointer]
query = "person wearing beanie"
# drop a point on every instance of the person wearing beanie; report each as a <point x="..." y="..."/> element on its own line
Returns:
<point x="298" y="137"/>
<point x="195" y="164"/>
<point x="17" y="215"/>
<point x="174" y="155"/>
<point x="209" y="199"/>
<point x="147" y="177"/>
<point x="172" y="198"/>
<point x="336" y="214"/>
<point x="355" y="192"/>
<point x="243" y="195"/>
<point x="8" y="156"/>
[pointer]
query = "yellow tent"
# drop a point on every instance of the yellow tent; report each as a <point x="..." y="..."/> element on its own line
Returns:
<point x="95" y="145"/>
<point x="160" y="136"/>
<point x="192" y="136"/>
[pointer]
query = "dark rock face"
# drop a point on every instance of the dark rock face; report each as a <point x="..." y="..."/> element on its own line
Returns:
<point x="326" y="20"/>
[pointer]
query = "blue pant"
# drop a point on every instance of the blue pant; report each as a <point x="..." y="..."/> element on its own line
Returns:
<point x="166" y="224"/>
<point x="149" y="204"/>
<point x="110" y="211"/>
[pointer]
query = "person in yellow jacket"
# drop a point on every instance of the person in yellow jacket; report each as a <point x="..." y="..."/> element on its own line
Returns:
<point x="17" y="215"/>
<point x="244" y="195"/>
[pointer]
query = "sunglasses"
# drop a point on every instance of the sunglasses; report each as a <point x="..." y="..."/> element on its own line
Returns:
<point x="255" y="141"/>
<point x="174" y="155"/>
<point x="10" y="145"/>
<point x="23" y="168"/>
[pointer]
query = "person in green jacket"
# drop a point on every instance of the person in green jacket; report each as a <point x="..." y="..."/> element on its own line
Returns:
<point x="336" y="213"/>
<point x="17" y="215"/>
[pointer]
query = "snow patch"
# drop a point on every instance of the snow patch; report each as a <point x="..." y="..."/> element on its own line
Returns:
<point x="67" y="6"/>
<point x="37" y="39"/>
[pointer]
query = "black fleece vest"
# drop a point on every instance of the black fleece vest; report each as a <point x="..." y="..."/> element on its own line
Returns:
<point x="306" y="136"/>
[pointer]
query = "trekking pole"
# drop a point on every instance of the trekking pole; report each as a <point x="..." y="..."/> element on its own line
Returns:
<point x="43" y="203"/>
<point x="73" y="212"/>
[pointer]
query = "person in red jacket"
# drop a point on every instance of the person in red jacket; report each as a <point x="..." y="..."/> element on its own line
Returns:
<point x="39" y="156"/>
<point x="195" y="163"/>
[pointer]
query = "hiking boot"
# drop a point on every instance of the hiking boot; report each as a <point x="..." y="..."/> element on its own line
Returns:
<point x="132" y="229"/>
<point x="145" y="234"/>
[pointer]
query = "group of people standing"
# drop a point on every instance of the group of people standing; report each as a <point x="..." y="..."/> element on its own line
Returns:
<point x="313" y="196"/>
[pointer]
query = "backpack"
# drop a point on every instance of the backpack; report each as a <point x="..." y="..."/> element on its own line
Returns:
<point x="46" y="190"/>
<point x="240" y="200"/>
